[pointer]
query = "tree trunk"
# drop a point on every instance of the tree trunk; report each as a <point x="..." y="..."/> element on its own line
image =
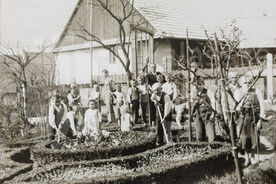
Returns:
<point x="229" y="116"/>
<point x="24" y="105"/>
<point x="24" y="96"/>
<point x="129" y="77"/>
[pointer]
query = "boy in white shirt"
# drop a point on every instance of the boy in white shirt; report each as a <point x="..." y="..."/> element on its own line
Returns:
<point x="133" y="98"/>
<point x="169" y="87"/>
<point x="92" y="119"/>
<point x="118" y="97"/>
<point x="142" y="88"/>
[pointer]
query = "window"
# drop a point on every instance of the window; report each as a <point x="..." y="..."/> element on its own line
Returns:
<point x="112" y="58"/>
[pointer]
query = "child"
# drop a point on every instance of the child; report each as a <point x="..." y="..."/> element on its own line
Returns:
<point x="73" y="98"/>
<point x="95" y="93"/>
<point x="143" y="97"/>
<point x="169" y="87"/>
<point x="126" y="118"/>
<point x="180" y="104"/>
<point x="133" y="99"/>
<point x="92" y="119"/>
<point x="159" y="83"/>
<point x="118" y="97"/>
<point x="76" y="120"/>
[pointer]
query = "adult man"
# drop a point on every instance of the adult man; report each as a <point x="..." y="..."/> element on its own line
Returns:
<point x="233" y="90"/>
<point x="202" y="111"/>
<point x="108" y="88"/>
<point x="152" y="75"/>
<point x="151" y="78"/>
<point x="251" y="110"/>
<point x="163" y="116"/>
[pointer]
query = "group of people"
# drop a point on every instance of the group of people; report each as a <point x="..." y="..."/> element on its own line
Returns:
<point x="158" y="98"/>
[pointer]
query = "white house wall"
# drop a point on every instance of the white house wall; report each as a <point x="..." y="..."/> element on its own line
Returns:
<point x="75" y="66"/>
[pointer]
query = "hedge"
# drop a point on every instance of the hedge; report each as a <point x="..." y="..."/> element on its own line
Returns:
<point x="185" y="171"/>
<point x="42" y="155"/>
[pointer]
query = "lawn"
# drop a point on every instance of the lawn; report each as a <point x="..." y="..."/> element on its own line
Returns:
<point x="265" y="172"/>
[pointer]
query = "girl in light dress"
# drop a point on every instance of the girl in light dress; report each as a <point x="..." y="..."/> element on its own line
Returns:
<point x="92" y="119"/>
<point x="126" y="118"/>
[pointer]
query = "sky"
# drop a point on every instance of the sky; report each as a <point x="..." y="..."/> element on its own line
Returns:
<point x="32" y="22"/>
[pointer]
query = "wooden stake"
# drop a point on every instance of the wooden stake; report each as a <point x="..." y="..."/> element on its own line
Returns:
<point x="163" y="126"/>
<point x="189" y="88"/>
<point x="91" y="43"/>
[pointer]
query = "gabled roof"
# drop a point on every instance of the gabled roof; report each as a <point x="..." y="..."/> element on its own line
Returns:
<point x="174" y="17"/>
<point x="171" y="18"/>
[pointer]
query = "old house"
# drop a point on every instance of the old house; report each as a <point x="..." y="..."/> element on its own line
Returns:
<point x="161" y="37"/>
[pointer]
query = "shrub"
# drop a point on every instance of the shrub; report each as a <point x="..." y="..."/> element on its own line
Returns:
<point x="139" y="168"/>
<point x="42" y="154"/>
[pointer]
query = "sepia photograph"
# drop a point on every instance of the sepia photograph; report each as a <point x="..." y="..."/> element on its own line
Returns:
<point x="138" y="91"/>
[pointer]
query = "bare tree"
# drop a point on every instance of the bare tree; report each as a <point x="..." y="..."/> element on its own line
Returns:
<point x="222" y="53"/>
<point x="128" y="20"/>
<point x="16" y="65"/>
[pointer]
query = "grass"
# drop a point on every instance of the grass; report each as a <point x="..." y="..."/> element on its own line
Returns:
<point x="264" y="173"/>
<point x="269" y="128"/>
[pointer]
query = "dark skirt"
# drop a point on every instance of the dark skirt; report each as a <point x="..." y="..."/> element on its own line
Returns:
<point x="247" y="131"/>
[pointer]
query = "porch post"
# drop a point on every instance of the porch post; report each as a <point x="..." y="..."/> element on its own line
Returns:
<point x="269" y="75"/>
<point x="134" y="53"/>
<point x="151" y="55"/>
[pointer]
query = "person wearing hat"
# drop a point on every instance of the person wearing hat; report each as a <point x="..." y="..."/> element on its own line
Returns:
<point x="163" y="115"/>
<point x="251" y="111"/>
<point x="152" y="78"/>
<point x="202" y="112"/>
<point x="108" y="88"/>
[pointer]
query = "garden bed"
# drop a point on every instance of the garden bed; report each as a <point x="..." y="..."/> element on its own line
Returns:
<point x="175" y="163"/>
<point x="8" y="172"/>
<point x="116" y="144"/>
<point x="13" y="164"/>
<point x="112" y="127"/>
